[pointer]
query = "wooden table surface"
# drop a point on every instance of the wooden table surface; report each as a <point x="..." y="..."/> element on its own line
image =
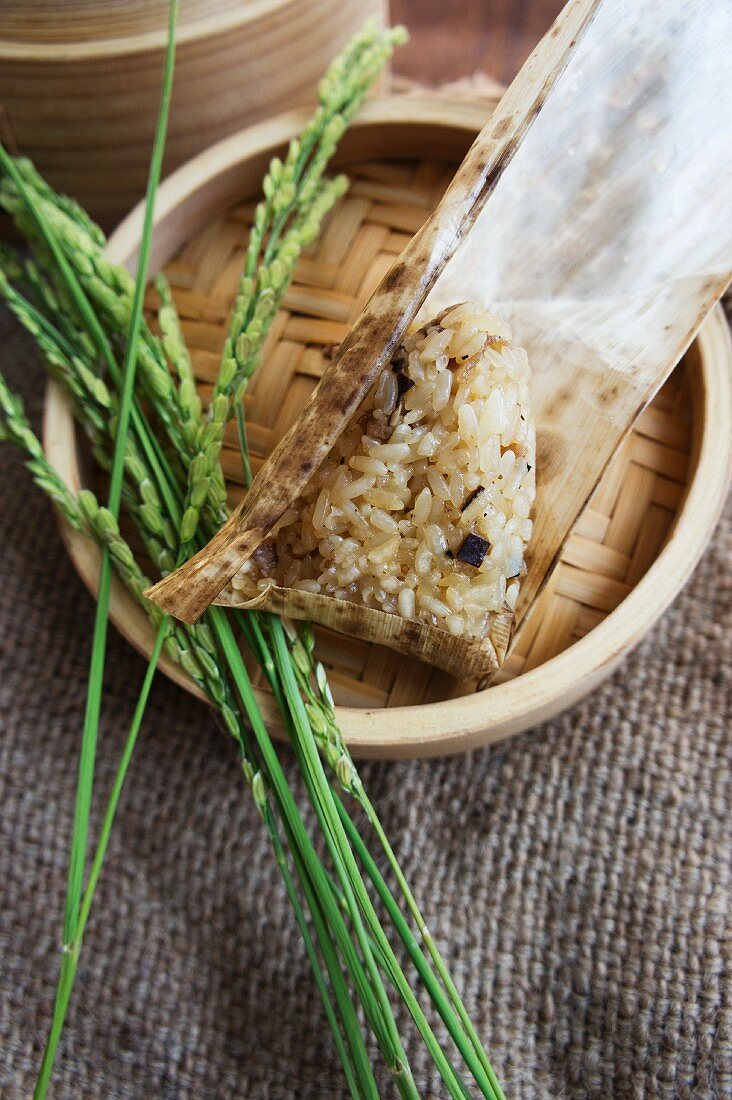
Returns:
<point x="450" y="39"/>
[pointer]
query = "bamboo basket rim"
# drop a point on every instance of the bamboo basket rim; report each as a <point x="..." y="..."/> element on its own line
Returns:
<point x="206" y="26"/>
<point x="264" y="138"/>
<point x="459" y="724"/>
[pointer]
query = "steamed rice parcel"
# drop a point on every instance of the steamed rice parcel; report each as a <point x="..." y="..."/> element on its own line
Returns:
<point x="422" y="508"/>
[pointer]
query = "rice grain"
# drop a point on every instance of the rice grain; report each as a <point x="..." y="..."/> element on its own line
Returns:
<point x="441" y="451"/>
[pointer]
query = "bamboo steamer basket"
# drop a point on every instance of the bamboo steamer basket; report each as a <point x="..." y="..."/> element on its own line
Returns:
<point x="630" y="552"/>
<point x="77" y="81"/>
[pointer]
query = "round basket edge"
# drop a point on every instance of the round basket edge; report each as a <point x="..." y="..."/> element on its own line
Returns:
<point x="439" y="728"/>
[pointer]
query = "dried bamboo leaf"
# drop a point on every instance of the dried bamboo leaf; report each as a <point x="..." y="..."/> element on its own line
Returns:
<point x="421" y="507"/>
<point x="609" y="240"/>
<point x="462" y="657"/>
<point x="379" y="330"/>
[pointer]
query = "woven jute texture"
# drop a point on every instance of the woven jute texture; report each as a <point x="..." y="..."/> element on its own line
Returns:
<point x="579" y="878"/>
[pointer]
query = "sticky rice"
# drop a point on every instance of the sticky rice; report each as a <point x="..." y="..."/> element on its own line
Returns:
<point x="422" y="508"/>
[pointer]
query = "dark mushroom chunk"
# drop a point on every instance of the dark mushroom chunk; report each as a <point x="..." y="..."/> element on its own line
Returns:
<point x="378" y="429"/>
<point x="265" y="558"/>
<point x="400" y="361"/>
<point x="404" y="384"/>
<point x="471" y="497"/>
<point x="473" y="550"/>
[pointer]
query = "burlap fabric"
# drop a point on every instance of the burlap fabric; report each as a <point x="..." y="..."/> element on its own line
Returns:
<point x="578" y="877"/>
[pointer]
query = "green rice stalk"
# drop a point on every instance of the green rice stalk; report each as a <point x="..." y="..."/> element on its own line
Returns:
<point x="296" y="200"/>
<point x="320" y="708"/>
<point x="101" y="525"/>
<point x="343" y="854"/>
<point x="72" y="931"/>
<point x="323" y="725"/>
<point x="62" y="362"/>
<point x="174" y="346"/>
<point x="302" y="737"/>
<point x="457" y="1087"/>
<point x="15" y="429"/>
<point x="52" y="305"/>
<point x="30" y="216"/>
<point x="240" y="358"/>
<point x="72" y="949"/>
<point x="352" y="1051"/>
<point x="374" y="1001"/>
<point x="107" y="288"/>
<point x="231" y="720"/>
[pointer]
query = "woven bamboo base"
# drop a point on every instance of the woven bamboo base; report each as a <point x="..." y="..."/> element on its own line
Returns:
<point x="616" y="540"/>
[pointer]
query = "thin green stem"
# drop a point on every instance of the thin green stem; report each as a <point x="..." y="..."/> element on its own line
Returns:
<point x="460" y="1026"/>
<point x="72" y="949"/>
<point x="241" y="431"/>
<point x="349" y="1069"/>
<point x="251" y="627"/>
<point x="91" y="721"/>
<point x="351" y="884"/>
<point x="461" y="1037"/>
<point x="326" y="908"/>
<point x="373" y="1005"/>
<point x="119" y="780"/>
<point x="430" y="944"/>
<point x="322" y="915"/>
<point x="343" y="852"/>
<point x="85" y="782"/>
<point x="331" y="745"/>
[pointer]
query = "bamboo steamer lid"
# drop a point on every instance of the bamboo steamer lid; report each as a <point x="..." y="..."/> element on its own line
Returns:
<point x="79" y="83"/>
<point x="87" y="20"/>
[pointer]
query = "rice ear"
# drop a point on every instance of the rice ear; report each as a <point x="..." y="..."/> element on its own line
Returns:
<point x="464" y="658"/>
